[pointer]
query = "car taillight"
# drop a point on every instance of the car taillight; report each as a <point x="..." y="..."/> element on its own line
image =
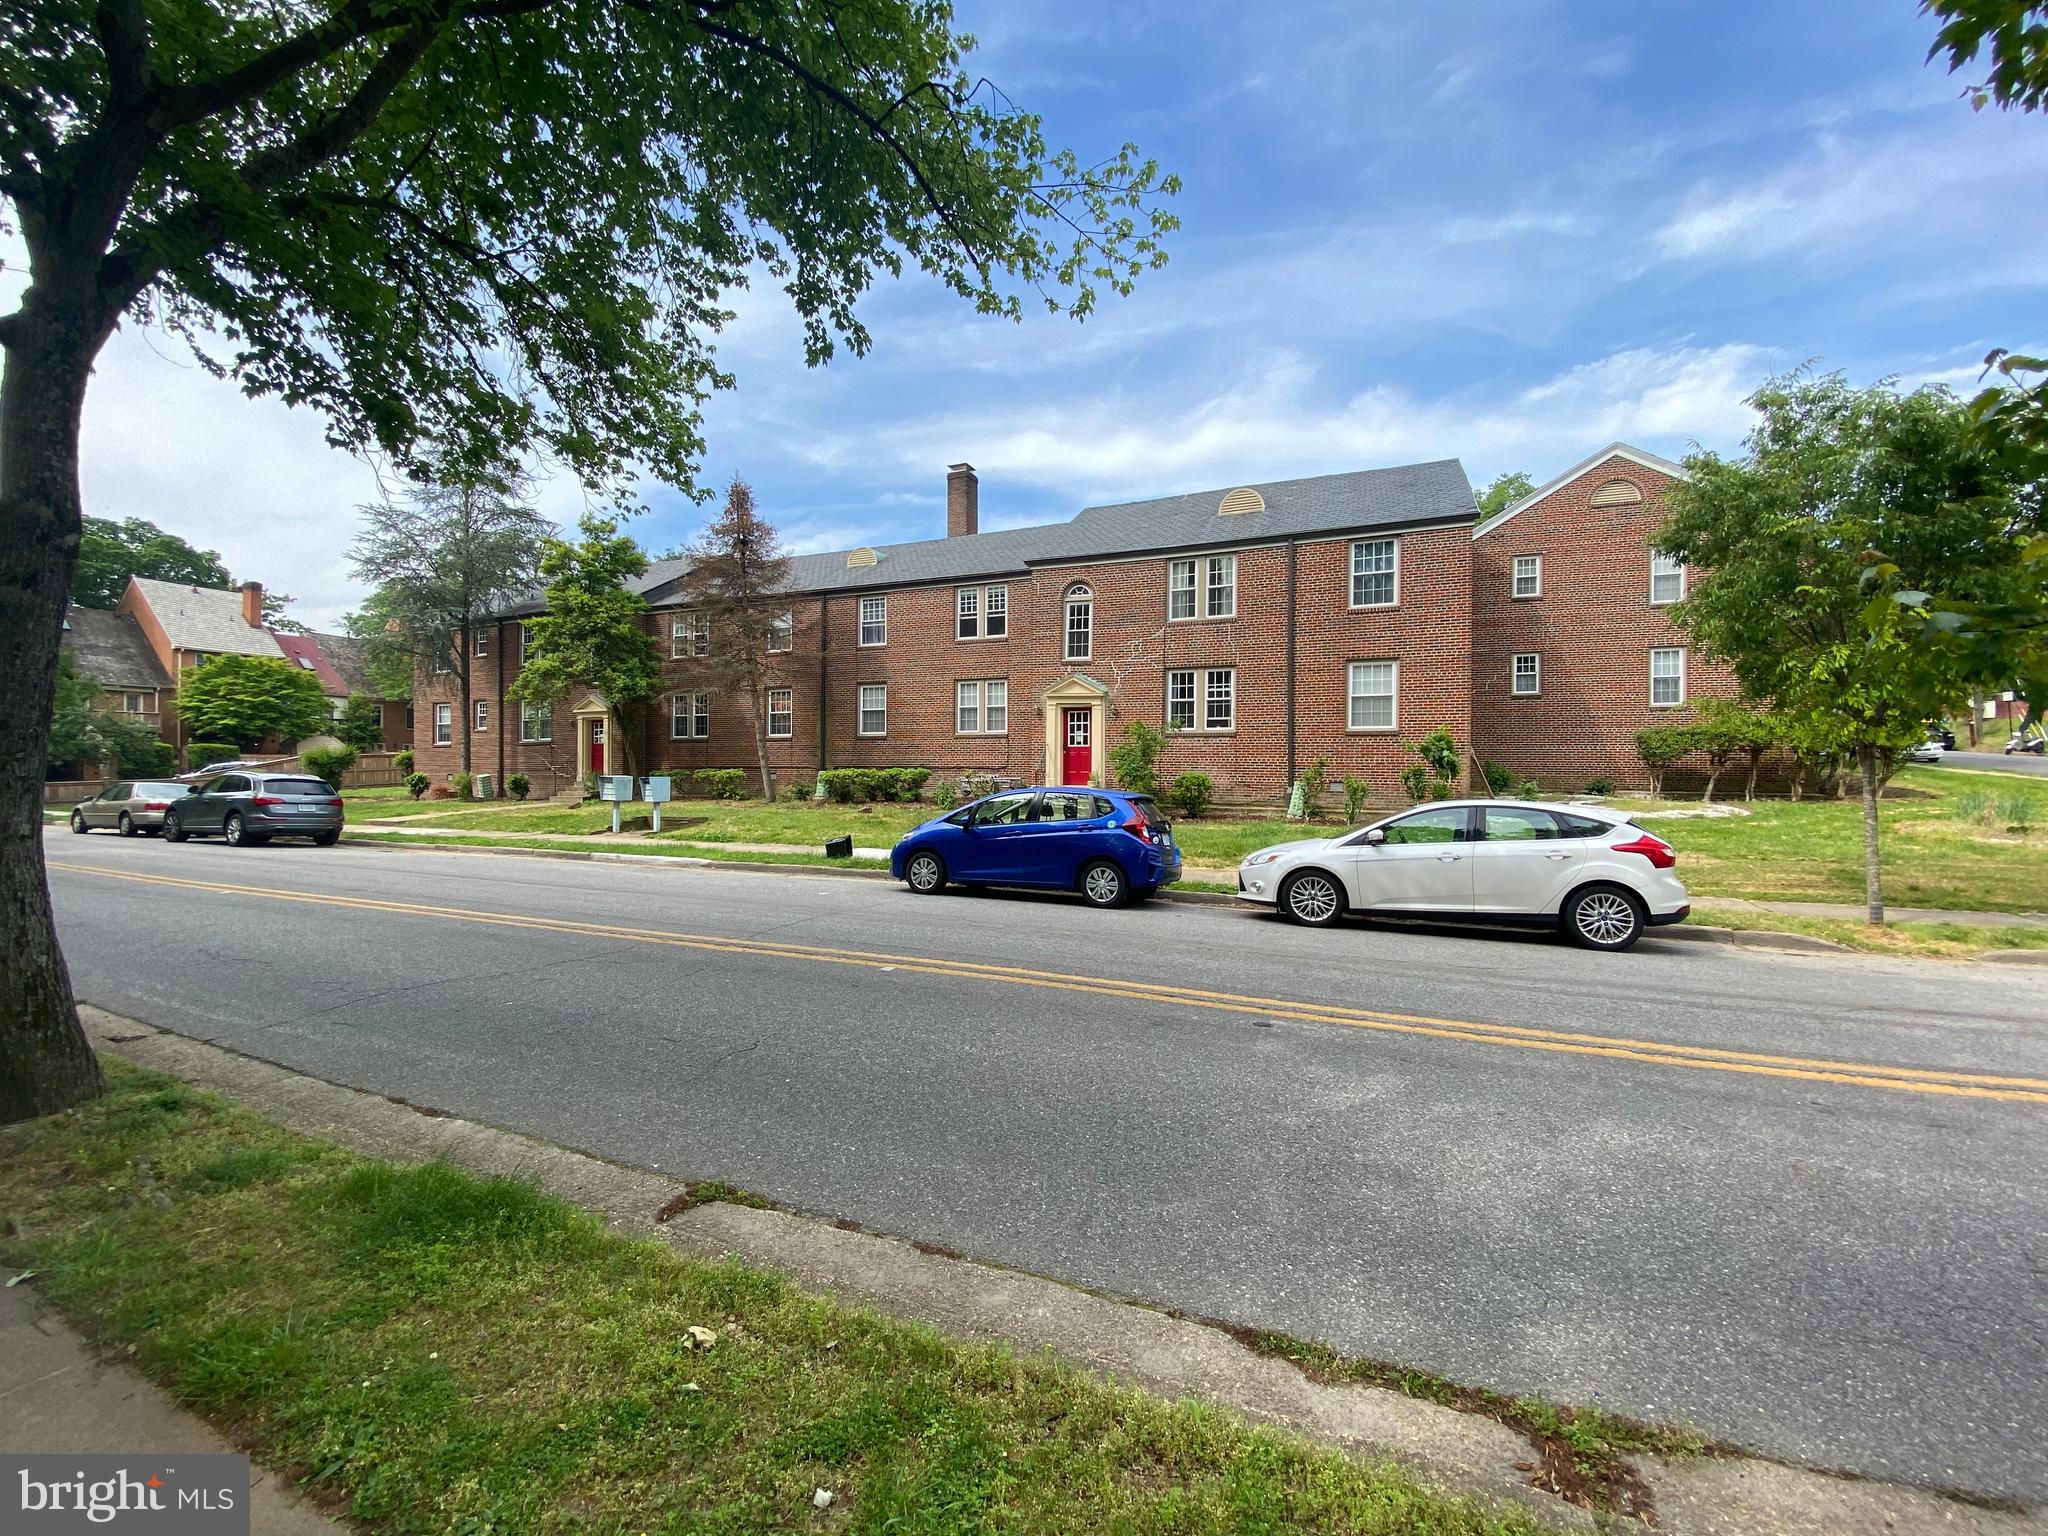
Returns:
<point x="267" y="800"/>
<point x="335" y="803"/>
<point x="156" y="805"/>
<point x="1655" y="849"/>
<point x="1138" y="826"/>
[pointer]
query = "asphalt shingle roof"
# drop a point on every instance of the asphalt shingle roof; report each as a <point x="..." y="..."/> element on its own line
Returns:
<point x="1406" y="494"/>
<point x="110" y="649"/>
<point x="204" y="619"/>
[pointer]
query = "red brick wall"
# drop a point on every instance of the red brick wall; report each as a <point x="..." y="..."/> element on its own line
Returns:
<point x="1134" y="647"/>
<point x="1594" y="627"/>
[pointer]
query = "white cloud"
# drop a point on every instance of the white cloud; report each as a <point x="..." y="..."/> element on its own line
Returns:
<point x="1278" y="422"/>
<point x="1869" y="198"/>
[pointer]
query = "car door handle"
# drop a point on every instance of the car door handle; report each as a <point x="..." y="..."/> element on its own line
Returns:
<point x="1449" y="858"/>
<point x="1553" y="855"/>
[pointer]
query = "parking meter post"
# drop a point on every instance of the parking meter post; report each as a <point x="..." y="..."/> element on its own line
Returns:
<point x="615" y="816"/>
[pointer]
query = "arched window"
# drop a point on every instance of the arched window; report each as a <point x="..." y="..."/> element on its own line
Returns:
<point x="1080" y="622"/>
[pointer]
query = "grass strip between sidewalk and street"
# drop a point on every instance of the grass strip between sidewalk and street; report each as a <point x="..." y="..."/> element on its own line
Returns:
<point x="637" y="848"/>
<point x="1922" y="941"/>
<point x="431" y="1351"/>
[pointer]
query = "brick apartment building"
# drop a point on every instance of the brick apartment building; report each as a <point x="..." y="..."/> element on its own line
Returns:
<point x="1339" y="617"/>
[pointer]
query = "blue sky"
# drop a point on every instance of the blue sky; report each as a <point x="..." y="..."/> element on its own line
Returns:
<point x="1504" y="232"/>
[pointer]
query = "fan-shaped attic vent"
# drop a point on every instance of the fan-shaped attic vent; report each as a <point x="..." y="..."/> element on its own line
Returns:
<point x="1243" y="499"/>
<point x="1618" y="493"/>
<point x="862" y="556"/>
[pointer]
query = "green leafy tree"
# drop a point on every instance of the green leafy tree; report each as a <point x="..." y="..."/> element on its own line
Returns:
<point x="594" y="633"/>
<point x="444" y="556"/>
<point x="245" y="699"/>
<point x="1134" y="761"/>
<point x="277" y="614"/>
<point x="2013" y="37"/>
<point x="1505" y="491"/>
<point x="361" y="723"/>
<point x="737" y="582"/>
<point x="82" y="733"/>
<point x="504" y="223"/>
<point x="329" y="763"/>
<point x="387" y="652"/>
<point x="1785" y="586"/>
<point x="110" y="552"/>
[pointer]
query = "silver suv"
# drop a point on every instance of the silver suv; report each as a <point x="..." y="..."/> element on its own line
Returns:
<point x="246" y="808"/>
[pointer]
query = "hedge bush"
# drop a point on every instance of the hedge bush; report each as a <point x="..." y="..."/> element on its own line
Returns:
<point x="721" y="783"/>
<point x="1191" y="793"/>
<point x="151" y="759"/>
<point x="200" y="753"/>
<point x="848" y="785"/>
<point x="460" y="784"/>
<point x="329" y="763"/>
<point x="403" y="762"/>
<point x="519" y="785"/>
<point x="416" y="784"/>
<point x="1499" y="779"/>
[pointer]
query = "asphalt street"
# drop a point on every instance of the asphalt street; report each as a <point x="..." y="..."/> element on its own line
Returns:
<point x="2018" y="762"/>
<point x="1689" y="1183"/>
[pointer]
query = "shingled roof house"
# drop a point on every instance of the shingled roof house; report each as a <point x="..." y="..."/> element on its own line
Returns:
<point x="1264" y="626"/>
<point x="160" y="630"/>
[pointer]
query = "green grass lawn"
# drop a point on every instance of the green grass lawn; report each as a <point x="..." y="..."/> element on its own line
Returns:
<point x="437" y="1352"/>
<point x="1950" y="839"/>
<point x="704" y="821"/>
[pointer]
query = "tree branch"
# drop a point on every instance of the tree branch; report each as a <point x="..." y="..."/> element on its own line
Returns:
<point x="123" y="34"/>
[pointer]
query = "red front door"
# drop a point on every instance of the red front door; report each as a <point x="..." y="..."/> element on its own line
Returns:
<point x="1077" y="760"/>
<point x="597" y="746"/>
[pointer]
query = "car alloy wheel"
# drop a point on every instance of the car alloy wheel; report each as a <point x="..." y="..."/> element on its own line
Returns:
<point x="1312" y="898"/>
<point x="924" y="873"/>
<point x="173" y="833"/>
<point x="232" y="829"/>
<point x="1604" y="918"/>
<point x="1104" y="885"/>
<point x="127" y="825"/>
<point x="78" y="821"/>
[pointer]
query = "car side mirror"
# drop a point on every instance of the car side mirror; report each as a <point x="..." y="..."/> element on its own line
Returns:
<point x="1375" y="837"/>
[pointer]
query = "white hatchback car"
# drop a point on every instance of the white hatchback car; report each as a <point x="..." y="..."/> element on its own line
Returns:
<point x="1588" y="871"/>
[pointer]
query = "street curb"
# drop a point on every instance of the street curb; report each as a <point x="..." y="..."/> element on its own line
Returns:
<point x="2012" y="956"/>
<point x="1123" y="1341"/>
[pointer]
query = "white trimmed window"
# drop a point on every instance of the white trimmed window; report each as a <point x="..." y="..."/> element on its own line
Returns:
<point x="689" y="716"/>
<point x="525" y="642"/>
<point x="444" y="724"/>
<point x="1370" y="695"/>
<point x="1528" y="576"/>
<point x="981" y="613"/>
<point x="1667" y="580"/>
<point x="874" y="621"/>
<point x="1220" y="596"/>
<point x="1667" y="677"/>
<point x="1080" y="626"/>
<point x="1201" y="699"/>
<point x="874" y="709"/>
<point x="982" y="708"/>
<point x="1375" y="573"/>
<point x="536" y="722"/>
<point x="481" y="643"/>
<point x="689" y="634"/>
<point x="1527" y="679"/>
<point x="781" y="713"/>
<point x="782" y="633"/>
<point x="482" y="707"/>
<point x="143" y="703"/>
<point x="1180" y="589"/>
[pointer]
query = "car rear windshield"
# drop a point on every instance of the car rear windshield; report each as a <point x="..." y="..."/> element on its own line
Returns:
<point x="1152" y="813"/>
<point x="299" y="789"/>
<point x="161" y="791"/>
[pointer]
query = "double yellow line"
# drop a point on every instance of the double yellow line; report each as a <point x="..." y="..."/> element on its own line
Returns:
<point x="1652" y="1052"/>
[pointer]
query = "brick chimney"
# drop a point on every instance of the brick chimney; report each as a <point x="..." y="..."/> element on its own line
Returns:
<point x="252" y="604"/>
<point x="963" y="501"/>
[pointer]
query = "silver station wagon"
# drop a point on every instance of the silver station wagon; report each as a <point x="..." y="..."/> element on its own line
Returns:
<point x="129" y="807"/>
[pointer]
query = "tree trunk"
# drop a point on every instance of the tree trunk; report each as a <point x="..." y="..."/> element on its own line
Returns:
<point x="466" y="722"/>
<point x="758" y="710"/>
<point x="1749" y="788"/>
<point x="1873" y="880"/>
<point x="45" y="1063"/>
<point x="1713" y="773"/>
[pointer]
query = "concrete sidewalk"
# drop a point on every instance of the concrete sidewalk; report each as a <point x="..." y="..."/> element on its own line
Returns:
<point x="55" y="1395"/>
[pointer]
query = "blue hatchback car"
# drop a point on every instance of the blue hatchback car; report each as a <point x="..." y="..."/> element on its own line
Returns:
<point x="1110" y="846"/>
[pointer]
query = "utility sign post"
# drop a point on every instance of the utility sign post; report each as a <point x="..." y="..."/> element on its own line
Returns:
<point x="655" y="792"/>
<point x="617" y="788"/>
